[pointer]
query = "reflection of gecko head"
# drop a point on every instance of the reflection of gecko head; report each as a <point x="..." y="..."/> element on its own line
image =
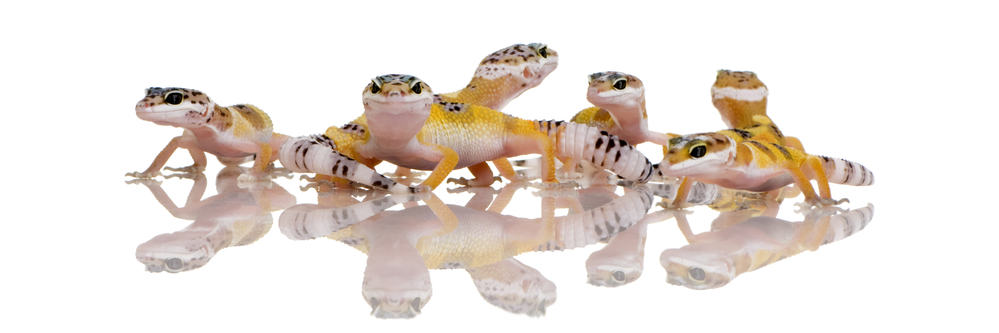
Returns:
<point x="527" y="293"/>
<point x="607" y="271"/>
<point x="227" y="178"/>
<point x="697" y="269"/>
<point x="396" y="296"/>
<point x="177" y="252"/>
<point x="192" y="248"/>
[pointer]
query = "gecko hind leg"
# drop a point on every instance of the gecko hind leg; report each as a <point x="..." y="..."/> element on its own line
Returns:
<point x="482" y="176"/>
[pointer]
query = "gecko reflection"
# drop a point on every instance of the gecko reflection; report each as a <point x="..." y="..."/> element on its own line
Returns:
<point x="402" y="245"/>
<point x="713" y="259"/>
<point x="233" y="217"/>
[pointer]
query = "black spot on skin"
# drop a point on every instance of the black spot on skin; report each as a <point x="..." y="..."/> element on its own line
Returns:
<point x="610" y="145"/>
<point x="377" y="183"/>
<point x="622" y="143"/>
<point x="618" y="157"/>
<point x="600" y="141"/>
<point x="523" y="85"/>
<point x="604" y="133"/>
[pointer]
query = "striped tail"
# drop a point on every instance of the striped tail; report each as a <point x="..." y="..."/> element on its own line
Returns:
<point x="844" y="172"/>
<point x="586" y="143"/>
<point x="317" y="154"/>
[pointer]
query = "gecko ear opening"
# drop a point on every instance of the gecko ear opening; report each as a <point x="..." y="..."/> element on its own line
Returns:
<point x="528" y="73"/>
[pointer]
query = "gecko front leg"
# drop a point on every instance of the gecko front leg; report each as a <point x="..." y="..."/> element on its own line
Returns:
<point x="186" y="141"/>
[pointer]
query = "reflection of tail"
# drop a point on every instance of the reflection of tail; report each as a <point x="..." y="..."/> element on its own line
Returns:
<point x="308" y="221"/>
<point x="317" y="154"/>
<point x="580" y="142"/>
<point x="844" y="172"/>
<point x="846" y="224"/>
<point x="601" y="223"/>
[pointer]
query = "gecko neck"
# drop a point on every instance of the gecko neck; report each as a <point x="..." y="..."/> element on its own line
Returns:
<point x="631" y="118"/>
<point x="492" y="93"/>
<point x="739" y="114"/>
<point x="393" y="130"/>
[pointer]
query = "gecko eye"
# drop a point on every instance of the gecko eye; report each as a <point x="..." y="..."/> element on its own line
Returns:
<point x="416" y="87"/>
<point x="696" y="274"/>
<point x="698" y="151"/>
<point x="375" y="87"/>
<point x="174" y="98"/>
<point x="620" y="84"/>
<point x="543" y="51"/>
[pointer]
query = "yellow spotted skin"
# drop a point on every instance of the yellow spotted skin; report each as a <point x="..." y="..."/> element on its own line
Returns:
<point x="246" y="120"/>
<point x="596" y="117"/>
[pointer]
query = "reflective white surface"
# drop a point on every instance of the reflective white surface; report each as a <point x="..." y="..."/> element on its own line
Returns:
<point x="902" y="89"/>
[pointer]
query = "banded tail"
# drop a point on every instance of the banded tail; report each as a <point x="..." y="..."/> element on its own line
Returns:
<point x="317" y="154"/>
<point x="844" y="172"/>
<point x="586" y="143"/>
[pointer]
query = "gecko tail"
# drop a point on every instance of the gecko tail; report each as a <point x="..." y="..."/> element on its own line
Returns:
<point x="586" y="143"/>
<point x="845" y="172"/>
<point x="318" y="154"/>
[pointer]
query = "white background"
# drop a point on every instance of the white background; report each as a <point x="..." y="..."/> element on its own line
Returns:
<point x="908" y="89"/>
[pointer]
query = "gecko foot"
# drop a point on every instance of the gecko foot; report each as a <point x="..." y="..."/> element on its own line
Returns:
<point x="279" y="172"/>
<point x="193" y="168"/>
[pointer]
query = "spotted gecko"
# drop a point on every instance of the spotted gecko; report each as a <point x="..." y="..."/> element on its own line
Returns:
<point x="733" y="159"/>
<point x="234" y="134"/>
<point x="500" y="77"/>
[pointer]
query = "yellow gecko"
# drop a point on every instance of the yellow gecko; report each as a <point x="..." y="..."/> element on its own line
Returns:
<point x="731" y="158"/>
<point x="500" y="77"/>
<point x="408" y="127"/>
<point x="234" y="133"/>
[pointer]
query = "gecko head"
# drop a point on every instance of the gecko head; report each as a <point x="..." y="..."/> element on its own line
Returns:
<point x="526" y="64"/>
<point x="174" y="106"/>
<point x="615" y="89"/>
<point x="697" y="155"/>
<point x="739" y="96"/>
<point x="515" y="287"/>
<point x="697" y="269"/>
<point x="396" y="106"/>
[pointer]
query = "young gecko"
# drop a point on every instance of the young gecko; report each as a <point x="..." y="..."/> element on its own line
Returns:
<point x="741" y="100"/>
<point x="619" y="108"/>
<point x="234" y="133"/>
<point x="407" y="127"/>
<point x="500" y="77"/>
<point x="731" y="158"/>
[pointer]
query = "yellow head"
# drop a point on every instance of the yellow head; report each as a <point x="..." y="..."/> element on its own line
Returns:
<point x="526" y="64"/>
<point x="174" y="106"/>
<point x="738" y="96"/>
<point x="697" y="155"/>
